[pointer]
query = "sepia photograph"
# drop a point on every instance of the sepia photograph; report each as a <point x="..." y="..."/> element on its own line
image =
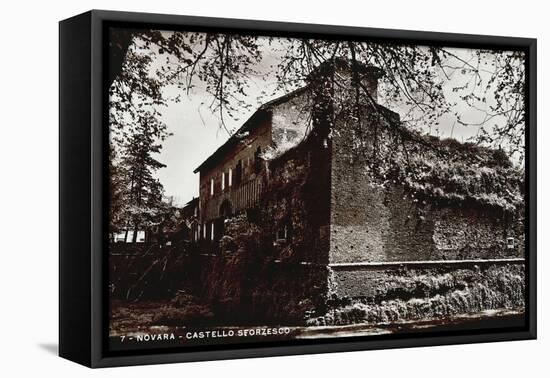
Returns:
<point x="266" y="188"/>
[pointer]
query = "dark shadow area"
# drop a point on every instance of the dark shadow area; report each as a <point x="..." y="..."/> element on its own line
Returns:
<point x="52" y="348"/>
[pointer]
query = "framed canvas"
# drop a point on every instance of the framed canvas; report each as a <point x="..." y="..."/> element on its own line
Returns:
<point x="234" y="188"/>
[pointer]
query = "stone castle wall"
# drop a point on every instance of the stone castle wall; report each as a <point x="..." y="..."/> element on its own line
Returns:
<point x="375" y="221"/>
<point x="394" y="293"/>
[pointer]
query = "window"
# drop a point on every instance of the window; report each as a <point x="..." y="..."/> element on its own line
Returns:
<point x="141" y="236"/>
<point x="229" y="177"/>
<point x="211" y="186"/>
<point x="510" y="243"/>
<point x="204" y="231"/>
<point x="282" y="233"/>
<point x="239" y="172"/>
<point x="223" y="181"/>
<point x="212" y="232"/>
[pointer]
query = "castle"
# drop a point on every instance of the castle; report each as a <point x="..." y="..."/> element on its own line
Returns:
<point x="361" y="205"/>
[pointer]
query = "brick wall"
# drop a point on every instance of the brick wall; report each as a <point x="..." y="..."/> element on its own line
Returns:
<point x="371" y="222"/>
<point x="298" y="196"/>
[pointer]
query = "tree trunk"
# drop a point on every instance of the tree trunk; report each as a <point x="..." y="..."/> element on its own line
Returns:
<point x="119" y="42"/>
<point x="134" y="236"/>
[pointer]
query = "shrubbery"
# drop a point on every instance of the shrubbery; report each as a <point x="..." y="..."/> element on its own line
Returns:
<point x="459" y="292"/>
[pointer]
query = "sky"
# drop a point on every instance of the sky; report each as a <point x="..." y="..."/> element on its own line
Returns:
<point x="196" y="131"/>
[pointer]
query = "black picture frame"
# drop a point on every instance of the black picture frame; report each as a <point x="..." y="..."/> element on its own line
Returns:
<point x="83" y="191"/>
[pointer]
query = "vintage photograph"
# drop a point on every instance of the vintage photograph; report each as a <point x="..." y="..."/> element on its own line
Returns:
<point x="267" y="188"/>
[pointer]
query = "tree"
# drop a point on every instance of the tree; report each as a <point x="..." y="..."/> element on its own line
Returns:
<point x="117" y="222"/>
<point x="141" y="193"/>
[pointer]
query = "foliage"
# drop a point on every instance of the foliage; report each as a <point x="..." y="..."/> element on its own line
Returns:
<point x="137" y="194"/>
<point x="473" y="173"/>
<point x="135" y="138"/>
<point x="432" y="295"/>
<point x="505" y="81"/>
<point x="451" y="171"/>
<point x="492" y="82"/>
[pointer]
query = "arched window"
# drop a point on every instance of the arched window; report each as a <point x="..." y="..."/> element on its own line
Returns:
<point x="225" y="209"/>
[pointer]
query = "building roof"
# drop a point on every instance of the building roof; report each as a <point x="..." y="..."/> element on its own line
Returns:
<point x="249" y="125"/>
<point x="193" y="202"/>
<point x="252" y="122"/>
<point x="338" y="63"/>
